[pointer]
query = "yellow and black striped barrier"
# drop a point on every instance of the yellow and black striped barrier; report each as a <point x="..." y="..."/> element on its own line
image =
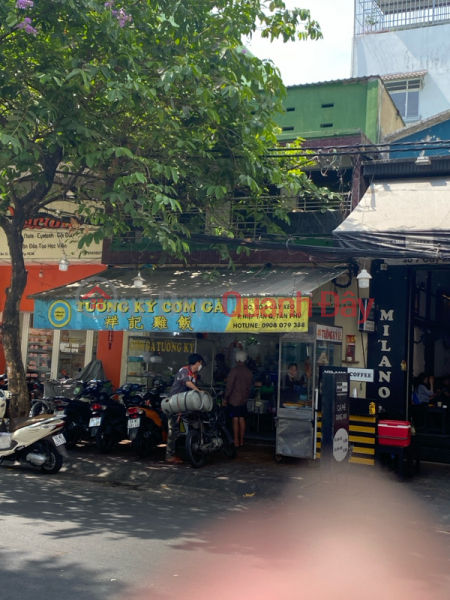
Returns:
<point x="362" y="435"/>
<point x="318" y="433"/>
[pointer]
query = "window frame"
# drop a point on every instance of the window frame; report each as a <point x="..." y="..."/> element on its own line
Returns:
<point x="406" y="89"/>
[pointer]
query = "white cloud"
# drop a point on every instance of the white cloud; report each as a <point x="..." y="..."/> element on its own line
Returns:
<point x="311" y="61"/>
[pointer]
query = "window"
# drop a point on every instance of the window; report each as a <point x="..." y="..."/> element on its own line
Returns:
<point x="405" y="95"/>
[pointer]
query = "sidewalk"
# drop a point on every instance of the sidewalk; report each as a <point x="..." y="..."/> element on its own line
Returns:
<point x="253" y="473"/>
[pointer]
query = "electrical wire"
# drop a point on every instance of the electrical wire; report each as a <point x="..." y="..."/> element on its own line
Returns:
<point x="362" y="145"/>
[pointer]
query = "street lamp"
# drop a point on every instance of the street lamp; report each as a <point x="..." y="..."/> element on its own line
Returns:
<point x="64" y="264"/>
<point x="364" y="279"/>
<point x="138" y="281"/>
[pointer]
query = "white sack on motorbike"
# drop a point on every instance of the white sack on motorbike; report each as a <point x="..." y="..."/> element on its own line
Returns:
<point x="186" y="402"/>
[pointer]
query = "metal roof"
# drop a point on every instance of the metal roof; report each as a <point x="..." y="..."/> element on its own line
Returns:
<point x="332" y="81"/>
<point x="408" y="215"/>
<point x="417" y="126"/>
<point x="202" y="283"/>
<point x="399" y="76"/>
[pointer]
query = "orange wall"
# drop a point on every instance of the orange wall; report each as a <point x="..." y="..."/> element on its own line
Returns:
<point x="52" y="278"/>
<point x="110" y="353"/>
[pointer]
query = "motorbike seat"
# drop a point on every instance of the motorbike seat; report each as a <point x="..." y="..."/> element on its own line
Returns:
<point x="20" y="422"/>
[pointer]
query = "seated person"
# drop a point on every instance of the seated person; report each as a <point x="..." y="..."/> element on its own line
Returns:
<point x="424" y="388"/>
<point x="292" y="385"/>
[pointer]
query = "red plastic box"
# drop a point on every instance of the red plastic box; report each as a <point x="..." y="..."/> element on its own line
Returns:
<point x="394" y="433"/>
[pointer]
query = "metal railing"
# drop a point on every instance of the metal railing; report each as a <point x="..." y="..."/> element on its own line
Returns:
<point x="243" y="218"/>
<point x="373" y="16"/>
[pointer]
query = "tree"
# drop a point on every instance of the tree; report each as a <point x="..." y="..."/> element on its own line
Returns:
<point x="140" y="110"/>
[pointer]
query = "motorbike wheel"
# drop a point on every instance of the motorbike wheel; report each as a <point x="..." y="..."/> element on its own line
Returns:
<point x="54" y="462"/>
<point x="229" y="448"/>
<point x="71" y="439"/>
<point x="105" y="441"/>
<point x="142" y="446"/>
<point x="194" y="453"/>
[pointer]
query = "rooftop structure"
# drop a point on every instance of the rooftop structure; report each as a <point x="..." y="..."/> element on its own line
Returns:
<point x="385" y="15"/>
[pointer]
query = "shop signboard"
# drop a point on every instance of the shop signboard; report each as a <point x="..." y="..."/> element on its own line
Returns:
<point x="214" y="315"/>
<point x="329" y="334"/>
<point x="46" y="239"/>
<point x="183" y="346"/>
<point x="335" y="415"/>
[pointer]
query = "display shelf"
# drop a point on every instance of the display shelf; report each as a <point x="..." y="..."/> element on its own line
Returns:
<point x="39" y="358"/>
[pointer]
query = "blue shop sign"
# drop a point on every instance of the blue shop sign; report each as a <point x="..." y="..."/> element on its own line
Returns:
<point x="232" y="314"/>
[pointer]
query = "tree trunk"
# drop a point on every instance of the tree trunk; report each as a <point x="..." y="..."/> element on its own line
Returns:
<point x="17" y="385"/>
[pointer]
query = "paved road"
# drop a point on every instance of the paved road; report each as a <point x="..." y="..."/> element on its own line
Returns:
<point x="358" y="538"/>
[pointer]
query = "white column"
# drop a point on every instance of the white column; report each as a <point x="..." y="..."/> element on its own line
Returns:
<point x="89" y="346"/>
<point x="124" y="361"/>
<point x="25" y="336"/>
<point x="55" y="354"/>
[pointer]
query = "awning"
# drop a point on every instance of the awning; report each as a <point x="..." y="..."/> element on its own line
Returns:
<point x="201" y="283"/>
<point x="411" y="217"/>
<point x="185" y="300"/>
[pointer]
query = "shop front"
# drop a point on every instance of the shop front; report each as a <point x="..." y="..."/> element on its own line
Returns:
<point x="46" y="241"/>
<point x="276" y="315"/>
<point x="407" y="223"/>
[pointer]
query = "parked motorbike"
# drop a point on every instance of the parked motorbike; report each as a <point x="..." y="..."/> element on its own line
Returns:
<point x="131" y="393"/>
<point x="35" y="387"/>
<point x="97" y="390"/>
<point x="75" y="409"/>
<point x="77" y="413"/>
<point x="108" y="424"/>
<point x="208" y="433"/>
<point x="37" y="441"/>
<point x="147" y="428"/>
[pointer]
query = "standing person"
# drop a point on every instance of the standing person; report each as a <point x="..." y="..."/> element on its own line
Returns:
<point x="239" y="383"/>
<point x="185" y="381"/>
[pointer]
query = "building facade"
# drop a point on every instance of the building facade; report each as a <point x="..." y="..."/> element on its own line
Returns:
<point x="407" y="43"/>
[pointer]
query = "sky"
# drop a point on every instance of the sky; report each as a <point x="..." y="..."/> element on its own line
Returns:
<point x="311" y="61"/>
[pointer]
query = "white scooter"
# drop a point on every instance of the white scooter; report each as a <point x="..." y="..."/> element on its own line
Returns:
<point x="32" y="440"/>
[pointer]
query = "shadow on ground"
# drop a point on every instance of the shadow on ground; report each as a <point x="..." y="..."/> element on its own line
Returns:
<point x="84" y="510"/>
<point x="23" y="578"/>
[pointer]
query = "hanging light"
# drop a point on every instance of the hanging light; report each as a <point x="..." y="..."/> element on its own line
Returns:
<point x="41" y="273"/>
<point x="64" y="264"/>
<point x="138" y="281"/>
<point x="364" y="279"/>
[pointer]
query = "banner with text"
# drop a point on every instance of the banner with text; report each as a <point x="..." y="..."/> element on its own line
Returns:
<point x="229" y="314"/>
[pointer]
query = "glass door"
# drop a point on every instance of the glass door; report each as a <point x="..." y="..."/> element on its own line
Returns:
<point x="72" y="349"/>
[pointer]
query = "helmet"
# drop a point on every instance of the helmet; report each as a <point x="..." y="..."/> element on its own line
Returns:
<point x="241" y="356"/>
